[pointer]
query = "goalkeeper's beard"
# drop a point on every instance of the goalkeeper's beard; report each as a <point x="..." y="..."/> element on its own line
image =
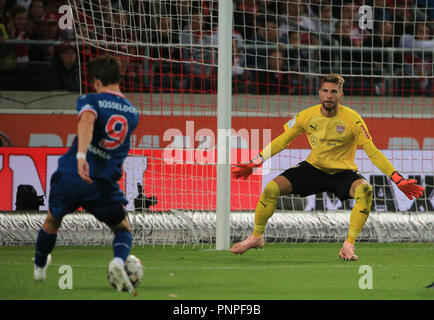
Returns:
<point x="330" y="108"/>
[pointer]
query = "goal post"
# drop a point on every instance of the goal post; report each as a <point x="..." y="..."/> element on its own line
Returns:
<point x="224" y="115"/>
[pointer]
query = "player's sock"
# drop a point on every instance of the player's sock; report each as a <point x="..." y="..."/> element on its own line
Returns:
<point x="45" y="243"/>
<point x="360" y="212"/>
<point x="265" y="207"/>
<point x="122" y="244"/>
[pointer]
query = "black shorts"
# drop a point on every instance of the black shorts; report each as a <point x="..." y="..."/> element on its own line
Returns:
<point x="307" y="180"/>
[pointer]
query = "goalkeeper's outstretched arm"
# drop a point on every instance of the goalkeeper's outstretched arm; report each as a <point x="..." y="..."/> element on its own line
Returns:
<point x="278" y="144"/>
<point x="408" y="186"/>
<point x="244" y="170"/>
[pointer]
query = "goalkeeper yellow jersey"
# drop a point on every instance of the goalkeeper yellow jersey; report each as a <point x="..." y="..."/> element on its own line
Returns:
<point x="333" y="140"/>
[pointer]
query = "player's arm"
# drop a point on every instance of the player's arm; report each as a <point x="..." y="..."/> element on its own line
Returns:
<point x="84" y="136"/>
<point x="278" y="144"/>
<point x="407" y="186"/>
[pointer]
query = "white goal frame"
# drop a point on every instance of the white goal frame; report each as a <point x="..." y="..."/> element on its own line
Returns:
<point x="224" y="114"/>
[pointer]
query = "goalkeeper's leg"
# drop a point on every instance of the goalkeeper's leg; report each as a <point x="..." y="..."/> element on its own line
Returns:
<point x="359" y="214"/>
<point x="264" y="210"/>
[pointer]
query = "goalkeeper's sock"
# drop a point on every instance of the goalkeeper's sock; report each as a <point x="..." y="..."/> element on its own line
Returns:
<point x="360" y="212"/>
<point x="45" y="243"/>
<point x="122" y="244"/>
<point x="265" y="207"/>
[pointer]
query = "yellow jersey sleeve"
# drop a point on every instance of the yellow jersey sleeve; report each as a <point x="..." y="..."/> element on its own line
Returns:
<point x="295" y="126"/>
<point x="361" y="132"/>
<point x="291" y="130"/>
<point x="378" y="159"/>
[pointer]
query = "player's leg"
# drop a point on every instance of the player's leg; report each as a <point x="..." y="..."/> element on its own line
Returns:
<point x="122" y="244"/>
<point x="264" y="210"/>
<point x="267" y="202"/>
<point x="108" y="205"/>
<point x="115" y="217"/>
<point x="45" y="242"/>
<point x="122" y="241"/>
<point x="362" y="192"/>
<point x="303" y="179"/>
<point x="60" y="202"/>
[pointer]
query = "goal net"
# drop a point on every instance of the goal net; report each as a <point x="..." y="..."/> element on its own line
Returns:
<point x="280" y="50"/>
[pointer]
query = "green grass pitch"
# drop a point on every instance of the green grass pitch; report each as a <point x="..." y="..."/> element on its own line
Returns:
<point x="289" y="271"/>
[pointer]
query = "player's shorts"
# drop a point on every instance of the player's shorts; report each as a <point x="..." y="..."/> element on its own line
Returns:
<point x="102" y="199"/>
<point x="307" y="180"/>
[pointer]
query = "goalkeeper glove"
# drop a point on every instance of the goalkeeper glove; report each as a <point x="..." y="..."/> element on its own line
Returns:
<point x="244" y="170"/>
<point x="408" y="186"/>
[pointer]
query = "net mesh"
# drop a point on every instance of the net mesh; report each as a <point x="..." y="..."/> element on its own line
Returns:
<point x="187" y="228"/>
<point x="280" y="50"/>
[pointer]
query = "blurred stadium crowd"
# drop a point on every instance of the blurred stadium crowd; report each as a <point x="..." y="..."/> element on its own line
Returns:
<point x="277" y="45"/>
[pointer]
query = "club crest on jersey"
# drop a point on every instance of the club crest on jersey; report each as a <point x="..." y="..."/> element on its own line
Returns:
<point x="340" y="129"/>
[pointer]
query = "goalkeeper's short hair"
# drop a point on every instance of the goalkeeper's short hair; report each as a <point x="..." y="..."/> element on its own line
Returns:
<point x="333" y="78"/>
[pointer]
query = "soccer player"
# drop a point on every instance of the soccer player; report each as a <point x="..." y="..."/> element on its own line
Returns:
<point x="87" y="174"/>
<point x="333" y="131"/>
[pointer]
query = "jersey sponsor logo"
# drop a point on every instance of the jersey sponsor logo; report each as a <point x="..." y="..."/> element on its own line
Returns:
<point x="100" y="153"/>
<point x="365" y="132"/>
<point x="340" y="129"/>
<point x="313" y="140"/>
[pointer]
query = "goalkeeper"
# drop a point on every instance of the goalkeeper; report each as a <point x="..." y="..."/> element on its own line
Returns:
<point x="333" y="131"/>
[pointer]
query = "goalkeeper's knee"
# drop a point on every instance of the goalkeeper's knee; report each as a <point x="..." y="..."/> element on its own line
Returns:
<point x="271" y="193"/>
<point x="267" y="201"/>
<point x="363" y="195"/>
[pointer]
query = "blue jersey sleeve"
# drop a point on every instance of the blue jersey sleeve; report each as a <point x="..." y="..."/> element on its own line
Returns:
<point x="85" y="103"/>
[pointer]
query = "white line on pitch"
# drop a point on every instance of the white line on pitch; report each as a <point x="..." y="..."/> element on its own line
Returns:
<point x="346" y="266"/>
